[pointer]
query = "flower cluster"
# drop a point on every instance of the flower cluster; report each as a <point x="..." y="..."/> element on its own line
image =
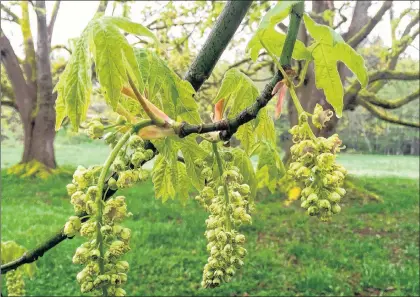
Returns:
<point x="15" y="284"/>
<point x="313" y="165"/>
<point x="227" y="200"/>
<point x="105" y="236"/>
<point x="128" y="164"/>
<point x="95" y="128"/>
<point x="115" y="239"/>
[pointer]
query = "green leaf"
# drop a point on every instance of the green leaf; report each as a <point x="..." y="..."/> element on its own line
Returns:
<point x="11" y="251"/>
<point x="74" y="86"/>
<point x="242" y="161"/>
<point x="191" y="151"/>
<point x="165" y="89"/>
<point x="239" y="92"/>
<point x="353" y="60"/>
<point x="273" y="39"/>
<point x="277" y="14"/>
<point x="162" y="179"/>
<point x="131" y="27"/>
<point x="270" y="167"/>
<point x="321" y="33"/>
<point x="113" y="57"/>
<point x="327" y="77"/>
<point x="329" y="47"/>
<point x="109" y="47"/>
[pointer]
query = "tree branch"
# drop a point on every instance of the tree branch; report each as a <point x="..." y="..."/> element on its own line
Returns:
<point x="12" y="16"/>
<point x="228" y="127"/>
<point x="393" y="75"/>
<point x="388" y="104"/>
<point x="219" y="37"/>
<point x="38" y="251"/>
<point x="9" y="104"/>
<point x="102" y="6"/>
<point x="15" y="74"/>
<point x="356" y="39"/>
<point x="383" y="115"/>
<point x="53" y="18"/>
<point x="61" y="46"/>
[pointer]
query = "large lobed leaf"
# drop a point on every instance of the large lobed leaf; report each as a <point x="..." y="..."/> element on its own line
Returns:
<point x="329" y="47"/>
<point x="113" y="58"/>
<point x="165" y="89"/>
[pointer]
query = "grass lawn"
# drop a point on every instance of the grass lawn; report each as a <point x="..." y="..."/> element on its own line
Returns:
<point x="369" y="249"/>
<point x="81" y="150"/>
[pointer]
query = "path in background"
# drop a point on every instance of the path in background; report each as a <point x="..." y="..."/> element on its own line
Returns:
<point x="95" y="153"/>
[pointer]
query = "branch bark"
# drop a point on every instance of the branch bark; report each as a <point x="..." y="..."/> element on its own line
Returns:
<point x="389" y="104"/>
<point x="356" y="39"/>
<point x="383" y="115"/>
<point x="53" y="19"/>
<point x="13" y="17"/>
<point x="219" y="37"/>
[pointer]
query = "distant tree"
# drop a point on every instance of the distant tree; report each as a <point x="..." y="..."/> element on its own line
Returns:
<point x="27" y="84"/>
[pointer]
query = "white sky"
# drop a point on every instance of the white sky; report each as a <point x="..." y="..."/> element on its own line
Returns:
<point x="73" y="16"/>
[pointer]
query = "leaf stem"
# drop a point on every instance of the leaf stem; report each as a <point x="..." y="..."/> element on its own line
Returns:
<point x="143" y="102"/>
<point x="303" y="74"/>
<point x="101" y="182"/>
<point x="225" y="189"/>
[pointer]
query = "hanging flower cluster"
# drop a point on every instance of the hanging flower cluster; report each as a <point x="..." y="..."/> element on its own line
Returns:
<point x="15" y="284"/>
<point x="105" y="236"/>
<point x="314" y="166"/>
<point x="227" y="201"/>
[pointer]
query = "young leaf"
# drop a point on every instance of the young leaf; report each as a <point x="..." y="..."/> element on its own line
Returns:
<point x="275" y="40"/>
<point x="74" y="86"/>
<point x="131" y="27"/>
<point x="191" y="151"/>
<point x="109" y="47"/>
<point x="162" y="179"/>
<point x="239" y="92"/>
<point x="270" y="166"/>
<point x="329" y="47"/>
<point x="166" y="89"/>
<point x="242" y="161"/>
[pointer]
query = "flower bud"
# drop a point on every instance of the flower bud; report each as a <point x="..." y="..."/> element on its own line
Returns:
<point x="112" y="184"/>
<point x="313" y="210"/>
<point x="334" y="197"/>
<point x="120" y="292"/>
<point x="335" y="209"/>
<point x="240" y="238"/>
<point x="324" y="204"/>
<point x="341" y="191"/>
<point x="71" y="189"/>
<point x="95" y="130"/>
<point x="135" y="141"/>
<point x="121" y="120"/>
<point x="92" y="192"/>
<point x="312" y="198"/>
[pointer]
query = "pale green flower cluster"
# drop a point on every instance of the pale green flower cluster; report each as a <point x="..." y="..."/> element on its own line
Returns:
<point x="113" y="237"/>
<point x="227" y="212"/>
<point x="314" y="165"/>
<point x="15" y="284"/>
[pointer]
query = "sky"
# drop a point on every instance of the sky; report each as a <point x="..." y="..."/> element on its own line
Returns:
<point x="73" y="17"/>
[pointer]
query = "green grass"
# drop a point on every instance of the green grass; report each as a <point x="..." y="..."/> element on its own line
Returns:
<point x="368" y="249"/>
<point x="80" y="150"/>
